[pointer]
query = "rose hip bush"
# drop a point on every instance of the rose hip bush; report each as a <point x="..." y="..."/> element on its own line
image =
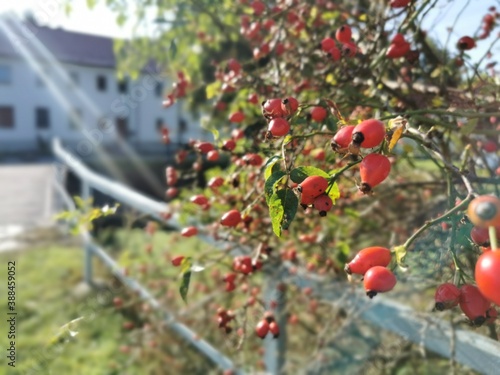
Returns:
<point x="355" y="141"/>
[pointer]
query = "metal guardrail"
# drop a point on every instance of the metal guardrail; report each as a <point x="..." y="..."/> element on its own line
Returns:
<point x="468" y="348"/>
<point x="144" y="204"/>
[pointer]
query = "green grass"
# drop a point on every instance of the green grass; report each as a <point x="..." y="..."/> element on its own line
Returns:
<point x="45" y="283"/>
<point x="50" y="294"/>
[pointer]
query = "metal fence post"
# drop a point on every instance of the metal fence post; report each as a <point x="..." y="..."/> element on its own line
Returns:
<point x="85" y="193"/>
<point x="274" y="348"/>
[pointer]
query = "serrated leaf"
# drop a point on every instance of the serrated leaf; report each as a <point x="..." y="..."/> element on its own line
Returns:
<point x="469" y="126"/>
<point x="400" y="252"/>
<point x="282" y="208"/>
<point x="299" y="174"/>
<point x="184" y="287"/>
<point x="270" y="166"/>
<point x="186" y="265"/>
<point x="212" y="89"/>
<point x="334" y="192"/>
<point x="271" y="182"/>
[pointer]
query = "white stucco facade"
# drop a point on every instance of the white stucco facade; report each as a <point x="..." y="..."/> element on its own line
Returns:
<point x="81" y="104"/>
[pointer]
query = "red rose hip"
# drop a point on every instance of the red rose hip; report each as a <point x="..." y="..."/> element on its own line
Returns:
<point x="367" y="258"/>
<point x="378" y="279"/>
<point x="373" y="169"/>
<point x="231" y="218"/>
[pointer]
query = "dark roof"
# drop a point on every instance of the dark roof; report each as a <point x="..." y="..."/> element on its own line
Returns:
<point x="66" y="46"/>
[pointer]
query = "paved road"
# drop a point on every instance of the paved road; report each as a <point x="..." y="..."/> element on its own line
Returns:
<point x="26" y="199"/>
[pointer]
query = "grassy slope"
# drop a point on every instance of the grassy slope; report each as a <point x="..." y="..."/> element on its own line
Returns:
<point x="45" y="280"/>
<point x="48" y="279"/>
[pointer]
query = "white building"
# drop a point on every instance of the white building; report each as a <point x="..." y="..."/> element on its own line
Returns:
<point x="59" y="83"/>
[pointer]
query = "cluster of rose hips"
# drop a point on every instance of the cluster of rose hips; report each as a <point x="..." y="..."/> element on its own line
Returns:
<point x="399" y="47"/>
<point x="343" y="36"/>
<point x="480" y="236"/>
<point x="211" y="152"/>
<point x="178" y="90"/>
<point x="246" y="265"/>
<point x="267" y="324"/>
<point x="277" y="111"/>
<point x="466" y="43"/>
<point x="473" y="304"/>
<point x="374" y="168"/>
<point x="488" y="23"/>
<point x="171" y="180"/>
<point x="371" y="263"/>
<point x="313" y="192"/>
<point x="223" y="318"/>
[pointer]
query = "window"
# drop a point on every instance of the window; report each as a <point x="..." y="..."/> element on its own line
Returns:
<point x="5" y="74"/>
<point x="42" y="118"/>
<point x="75" y="118"/>
<point x="159" y="89"/>
<point x="101" y="83"/>
<point x="6" y="117"/>
<point x="123" y="86"/>
<point x="122" y="127"/>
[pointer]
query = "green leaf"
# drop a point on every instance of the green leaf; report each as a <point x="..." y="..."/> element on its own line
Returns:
<point x="67" y="331"/>
<point x="287" y="140"/>
<point x="331" y="123"/>
<point x="271" y="182"/>
<point x="79" y="202"/>
<point x="343" y="251"/>
<point x="205" y="125"/>
<point x="213" y="89"/>
<point x="185" y="277"/>
<point x="334" y="192"/>
<point x="282" y="208"/>
<point x="469" y="126"/>
<point x="400" y="252"/>
<point x="299" y="174"/>
<point x="270" y="166"/>
<point x="183" y="289"/>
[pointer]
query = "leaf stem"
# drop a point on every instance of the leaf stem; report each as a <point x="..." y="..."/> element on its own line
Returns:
<point x="337" y="174"/>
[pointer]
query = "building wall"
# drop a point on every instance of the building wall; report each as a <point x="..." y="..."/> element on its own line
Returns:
<point x="66" y="89"/>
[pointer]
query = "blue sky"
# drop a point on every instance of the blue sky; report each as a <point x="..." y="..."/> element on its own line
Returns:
<point x="101" y="20"/>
